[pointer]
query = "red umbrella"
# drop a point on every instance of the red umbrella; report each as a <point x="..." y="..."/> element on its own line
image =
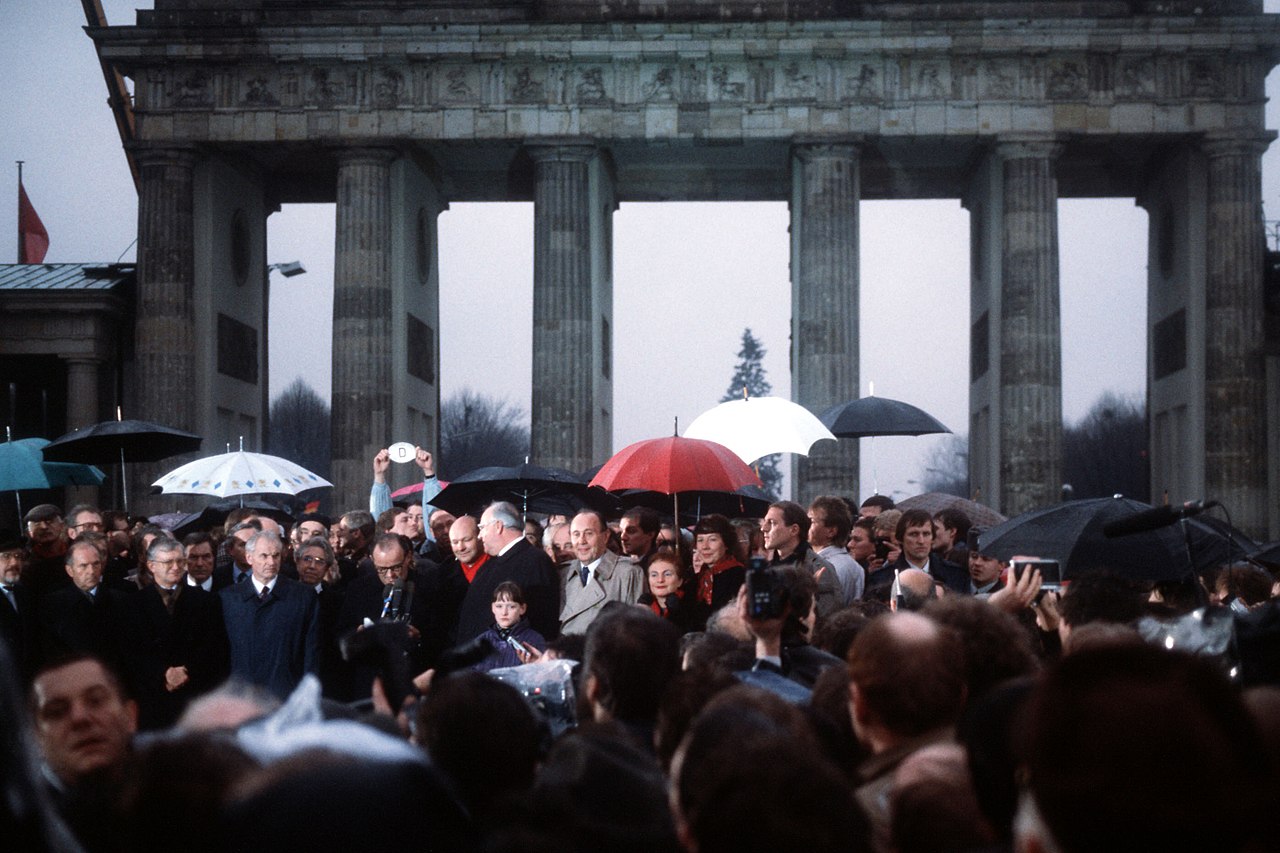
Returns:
<point x="675" y="464"/>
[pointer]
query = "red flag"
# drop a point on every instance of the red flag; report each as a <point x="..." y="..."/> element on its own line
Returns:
<point x="33" y="240"/>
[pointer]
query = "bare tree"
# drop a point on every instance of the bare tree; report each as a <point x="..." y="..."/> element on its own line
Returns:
<point x="1106" y="452"/>
<point x="299" y="427"/>
<point x="477" y="431"/>
<point x="946" y="468"/>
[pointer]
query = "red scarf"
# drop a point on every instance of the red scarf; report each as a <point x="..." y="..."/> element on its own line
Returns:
<point x="656" y="604"/>
<point x="469" y="572"/>
<point x="706" y="578"/>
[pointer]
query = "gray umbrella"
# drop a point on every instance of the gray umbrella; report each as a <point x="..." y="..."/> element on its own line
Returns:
<point x="871" y="416"/>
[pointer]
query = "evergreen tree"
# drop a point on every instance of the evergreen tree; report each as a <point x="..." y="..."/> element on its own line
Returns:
<point x="749" y="374"/>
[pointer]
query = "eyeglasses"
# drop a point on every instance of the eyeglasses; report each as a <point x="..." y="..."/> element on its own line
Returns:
<point x="88" y="525"/>
<point x="164" y="564"/>
<point x="316" y="560"/>
<point x="388" y="570"/>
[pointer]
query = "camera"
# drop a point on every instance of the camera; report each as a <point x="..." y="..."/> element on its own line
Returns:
<point x="766" y="591"/>
<point x="883" y="547"/>
<point x="1050" y="573"/>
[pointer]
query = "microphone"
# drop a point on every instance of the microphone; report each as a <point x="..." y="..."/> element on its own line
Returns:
<point x="1154" y="519"/>
<point x="393" y="603"/>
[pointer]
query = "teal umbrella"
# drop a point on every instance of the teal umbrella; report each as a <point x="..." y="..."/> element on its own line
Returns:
<point x="22" y="467"/>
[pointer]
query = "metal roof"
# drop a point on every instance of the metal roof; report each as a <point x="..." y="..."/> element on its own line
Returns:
<point x="64" y="276"/>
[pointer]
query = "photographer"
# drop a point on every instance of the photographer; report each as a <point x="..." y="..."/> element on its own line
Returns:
<point x="776" y="605"/>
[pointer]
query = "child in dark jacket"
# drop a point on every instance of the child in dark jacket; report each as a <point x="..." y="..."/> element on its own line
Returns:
<point x="509" y="627"/>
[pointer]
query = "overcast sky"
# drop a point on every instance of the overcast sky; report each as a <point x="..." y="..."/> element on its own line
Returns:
<point x="688" y="278"/>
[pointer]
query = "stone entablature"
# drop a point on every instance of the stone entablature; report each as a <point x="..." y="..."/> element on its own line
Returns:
<point x="701" y="81"/>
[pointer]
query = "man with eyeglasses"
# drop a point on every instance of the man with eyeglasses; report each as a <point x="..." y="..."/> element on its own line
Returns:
<point x="83" y="518"/>
<point x="175" y="642"/>
<point x="393" y="592"/>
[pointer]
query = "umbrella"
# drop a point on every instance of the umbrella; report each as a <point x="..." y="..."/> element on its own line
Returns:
<point x="121" y="440"/>
<point x="239" y="473"/>
<point x="746" y="502"/>
<point x="22" y="466"/>
<point x="215" y="514"/>
<point x="1214" y="542"/>
<point x="1071" y="533"/>
<point x="979" y="515"/>
<point x="870" y="416"/>
<point x="675" y="464"/>
<point x="760" y="426"/>
<point x="532" y="487"/>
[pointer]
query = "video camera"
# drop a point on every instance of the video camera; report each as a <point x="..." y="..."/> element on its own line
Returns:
<point x="767" y="593"/>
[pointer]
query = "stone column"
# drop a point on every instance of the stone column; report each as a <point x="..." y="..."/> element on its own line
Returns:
<point x="824" y="293"/>
<point x="82" y="392"/>
<point x="1031" y="329"/>
<point x="362" y="322"/>
<point x="164" y="334"/>
<point x="1235" y="392"/>
<point x="566" y="347"/>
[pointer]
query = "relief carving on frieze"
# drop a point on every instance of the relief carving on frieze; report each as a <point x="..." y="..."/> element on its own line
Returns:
<point x="1203" y="79"/>
<point x="590" y="88"/>
<point x="724" y="87"/>
<point x="693" y="83"/>
<point x="388" y="87"/>
<point x="661" y="85"/>
<point x="928" y="82"/>
<point x="999" y="80"/>
<point x="864" y="85"/>
<point x="458" y="85"/>
<point x="1068" y="80"/>
<point x="1137" y="78"/>
<point x="797" y="82"/>
<point x="192" y="90"/>
<point x="257" y="92"/>
<point x="524" y="87"/>
<point x="324" y="91"/>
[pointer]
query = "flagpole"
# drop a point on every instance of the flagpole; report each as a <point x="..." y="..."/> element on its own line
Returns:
<point x="20" y="162"/>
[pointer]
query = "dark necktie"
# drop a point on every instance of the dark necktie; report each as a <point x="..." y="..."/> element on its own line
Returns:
<point x="584" y="573"/>
<point x="240" y="576"/>
<point x="168" y="596"/>
<point x="262" y="596"/>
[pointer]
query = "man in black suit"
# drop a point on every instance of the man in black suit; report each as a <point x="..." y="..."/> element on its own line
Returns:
<point x="18" y="624"/>
<point x="202" y="569"/>
<point x="272" y="621"/>
<point x="86" y="616"/>
<point x="915" y="532"/>
<point x="318" y="569"/>
<point x="511" y="558"/>
<point x="175" y="642"/>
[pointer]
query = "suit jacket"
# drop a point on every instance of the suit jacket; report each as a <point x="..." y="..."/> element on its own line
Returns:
<point x="527" y="566"/>
<point x="155" y="640"/>
<point x="365" y="598"/>
<point x="274" y="642"/>
<point x="616" y="578"/>
<point x="72" y="621"/>
<point x="20" y="630"/>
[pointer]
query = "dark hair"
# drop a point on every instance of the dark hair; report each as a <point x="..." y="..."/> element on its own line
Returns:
<point x="837" y="515"/>
<point x="955" y="519"/>
<point x="793" y="514"/>
<point x="632" y="654"/>
<point x="386" y="541"/>
<point x="836" y="632"/>
<point x="801" y="588"/>
<point x="913" y="682"/>
<point x="387" y="518"/>
<point x="1102" y="597"/>
<point x="1247" y="582"/>
<point x="883" y="501"/>
<point x="913" y="518"/>
<point x="867" y="524"/>
<point x="722" y="527"/>
<point x="1114" y="737"/>
<point x="996" y="647"/>
<point x="65" y="659"/>
<point x="648" y="519"/>
<point x="676" y="558"/>
<point x="509" y="590"/>
<point x="199" y="538"/>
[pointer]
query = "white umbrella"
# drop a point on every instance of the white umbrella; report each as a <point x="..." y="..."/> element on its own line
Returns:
<point x="760" y="426"/>
<point x="239" y="473"/>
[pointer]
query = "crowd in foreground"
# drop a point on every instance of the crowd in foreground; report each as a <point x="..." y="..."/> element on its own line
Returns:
<point x="837" y="677"/>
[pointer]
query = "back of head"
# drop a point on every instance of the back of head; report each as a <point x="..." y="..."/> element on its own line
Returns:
<point x="910" y="672"/>
<point x="1136" y="748"/>
<point x="1102" y="597"/>
<point x="996" y="647"/>
<point x="631" y="654"/>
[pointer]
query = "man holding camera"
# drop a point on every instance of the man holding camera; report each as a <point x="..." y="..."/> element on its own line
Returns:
<point x="777" y="606"/>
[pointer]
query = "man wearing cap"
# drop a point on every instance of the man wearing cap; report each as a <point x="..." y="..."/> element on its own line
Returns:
<point x="47" y="540"/>
<point x="18" y="624"/>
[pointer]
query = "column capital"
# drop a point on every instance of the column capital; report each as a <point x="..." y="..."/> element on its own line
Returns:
<point x="374" y="155"/>
<point x="183" y="156"/>
<point x="1020" y="146"/>
<point x="809" y="148"/>
<point x="573" y="149"/>
<point x="1228" y="144"/>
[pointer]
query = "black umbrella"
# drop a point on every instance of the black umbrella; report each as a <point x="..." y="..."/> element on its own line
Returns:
<point x="1214" y="542"/>
<point x="532" y="488"/>
<point x="122" y="441"/>
<point x="109" y="441"/>
<point x="871" y="416"/>
<point x="216" y="513"/>
<point x="1071" y="533"/>
<point x="746" y="502"/>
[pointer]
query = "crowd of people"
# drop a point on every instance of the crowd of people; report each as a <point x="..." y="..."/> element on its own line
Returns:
<point x="843" y="676"/>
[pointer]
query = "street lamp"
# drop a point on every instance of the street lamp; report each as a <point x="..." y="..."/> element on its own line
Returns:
<point x="288" y="269"/>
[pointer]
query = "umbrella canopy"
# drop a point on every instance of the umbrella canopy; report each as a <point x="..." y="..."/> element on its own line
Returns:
<point x="760" y="426"/>
<point x="215" y="514"/>
<point x="110" y="441"/>
<point x="674" y="464"/>
<point x="239" y="473"/>
<point x="979" y="515"/>
<point x="1269" y="554"/>
<point x="1071" y="533"/>
<point x="746" y="502"/>
<point x="872" y="416"/>
<point x="532" y="488"/>
<point x="22" y="466"/>
<point x="1214" y="542"/>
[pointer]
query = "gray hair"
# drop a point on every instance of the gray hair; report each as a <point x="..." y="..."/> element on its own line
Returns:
<point x="506" y="513"/>
<point x="260" y="535"/>
<point x="549" y="535"/>
<point x="163" y="545"/>
<point x="321" y="543"/>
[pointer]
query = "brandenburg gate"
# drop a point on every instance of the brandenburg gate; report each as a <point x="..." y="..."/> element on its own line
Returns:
<point x="394" y="109"/>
